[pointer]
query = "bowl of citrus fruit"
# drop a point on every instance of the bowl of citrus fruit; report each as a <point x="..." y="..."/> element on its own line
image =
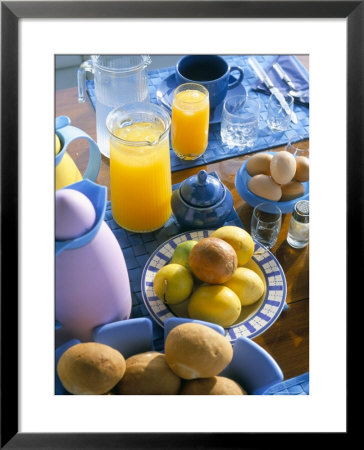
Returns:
<point x="221" y="276"/>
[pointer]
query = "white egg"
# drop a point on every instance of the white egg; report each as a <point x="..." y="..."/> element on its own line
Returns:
<point x="265" y="187"/>
<point x="303" y="169"/>
<point x="283" y="167"/>
<point x="259" y="163"/>
<point x="292" y="190"/>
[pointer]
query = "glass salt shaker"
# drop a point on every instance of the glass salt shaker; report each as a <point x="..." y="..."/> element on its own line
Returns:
<point x="298" y="233"/>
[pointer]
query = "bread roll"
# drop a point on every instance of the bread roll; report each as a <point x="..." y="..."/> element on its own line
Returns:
<point x="194" y="351"/>
<point x="90" y="368"/>
<point x="148" y="374"/>
<point x="212" y="386"/>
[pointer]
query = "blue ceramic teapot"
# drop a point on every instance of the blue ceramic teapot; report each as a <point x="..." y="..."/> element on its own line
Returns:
<point x="201" y="201"/>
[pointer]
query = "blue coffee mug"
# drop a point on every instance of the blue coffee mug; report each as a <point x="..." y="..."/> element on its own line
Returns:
<point x="212" y="71"/>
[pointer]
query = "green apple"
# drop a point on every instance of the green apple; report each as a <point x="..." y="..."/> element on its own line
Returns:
<point x="182" y="252"/>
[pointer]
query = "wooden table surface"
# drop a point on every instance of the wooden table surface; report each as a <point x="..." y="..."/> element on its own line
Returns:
<point x="287" y="340"/>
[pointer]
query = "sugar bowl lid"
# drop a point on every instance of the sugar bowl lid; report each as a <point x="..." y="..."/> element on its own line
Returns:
<point x="202" y="190"/>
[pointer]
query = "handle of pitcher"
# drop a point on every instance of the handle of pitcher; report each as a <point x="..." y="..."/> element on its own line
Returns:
<point x="86" y="66"/>
<point x="69" y="134"/>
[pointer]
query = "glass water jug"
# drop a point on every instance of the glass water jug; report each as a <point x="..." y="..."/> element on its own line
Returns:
<point x="118" y="79"/>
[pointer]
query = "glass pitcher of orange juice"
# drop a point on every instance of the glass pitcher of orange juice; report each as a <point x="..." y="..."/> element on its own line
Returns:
<point x="140" y="167"/>
<point x="190" y="120"/>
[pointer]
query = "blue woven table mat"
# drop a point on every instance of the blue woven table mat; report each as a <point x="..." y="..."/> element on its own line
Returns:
<point x="294" y="386"/>
<point x="216" y="150"/>
<point x="137" y="248"/>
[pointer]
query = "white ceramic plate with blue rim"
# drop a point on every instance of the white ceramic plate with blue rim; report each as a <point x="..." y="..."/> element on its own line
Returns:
<point x="253" y="320"/>
<point x="241" y="183"/>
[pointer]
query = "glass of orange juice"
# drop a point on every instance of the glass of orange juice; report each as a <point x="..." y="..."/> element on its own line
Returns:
<point x="190" y="120"/>
<point x="140" y="167"/>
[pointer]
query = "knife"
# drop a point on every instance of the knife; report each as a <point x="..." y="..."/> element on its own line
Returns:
<point x="283" y="76"/>
<point x="264" y="78"/>
<point x="301" y="95"/>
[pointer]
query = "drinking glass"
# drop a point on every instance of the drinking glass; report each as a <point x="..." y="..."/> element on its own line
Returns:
<point x="278" y="117"/>
<point x="240" y="121"/>
<point x="266" y="224"/>
<point x="190" y="120"/>
<point x="300" y="148"/>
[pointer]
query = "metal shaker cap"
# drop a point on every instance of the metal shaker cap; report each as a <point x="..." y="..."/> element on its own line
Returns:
<point x="301" y="212"/>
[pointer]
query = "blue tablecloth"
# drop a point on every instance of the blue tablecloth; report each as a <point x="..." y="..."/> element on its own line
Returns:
<point x="216" y="150"/>
<point x="137" y="248"/>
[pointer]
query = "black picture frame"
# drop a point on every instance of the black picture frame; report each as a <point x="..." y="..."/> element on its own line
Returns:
<point x="11" y="13"/>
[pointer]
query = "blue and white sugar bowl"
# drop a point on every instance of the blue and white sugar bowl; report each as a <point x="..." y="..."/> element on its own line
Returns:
<point x="201" y="201"/>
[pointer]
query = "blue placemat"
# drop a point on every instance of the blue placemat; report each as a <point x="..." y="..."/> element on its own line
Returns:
<point x="216" y="150"/>
<point x="137" y="248"/>
<point x="294" y="386"/>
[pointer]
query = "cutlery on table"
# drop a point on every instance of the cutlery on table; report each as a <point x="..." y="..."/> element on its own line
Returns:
<point x="284" y="77"/>
<point x="264" y="78"/>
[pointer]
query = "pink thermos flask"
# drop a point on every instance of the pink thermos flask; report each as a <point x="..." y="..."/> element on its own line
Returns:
<point x="92" y="283"/>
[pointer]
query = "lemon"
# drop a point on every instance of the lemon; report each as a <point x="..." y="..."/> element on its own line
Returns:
<point x="247" y="285"/>
<point x="173" y="283"/>
<point x="239" y="239"/>
<point x="214" y="303"/>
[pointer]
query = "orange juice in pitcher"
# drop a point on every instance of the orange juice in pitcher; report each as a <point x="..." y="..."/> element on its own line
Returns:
<point x="140" y="167"/>
<point x="190" y="120"/>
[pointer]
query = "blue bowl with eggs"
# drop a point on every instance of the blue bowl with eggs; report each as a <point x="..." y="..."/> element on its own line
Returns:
<point x="251" y="366"/>
<point x="241" y="183"/>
